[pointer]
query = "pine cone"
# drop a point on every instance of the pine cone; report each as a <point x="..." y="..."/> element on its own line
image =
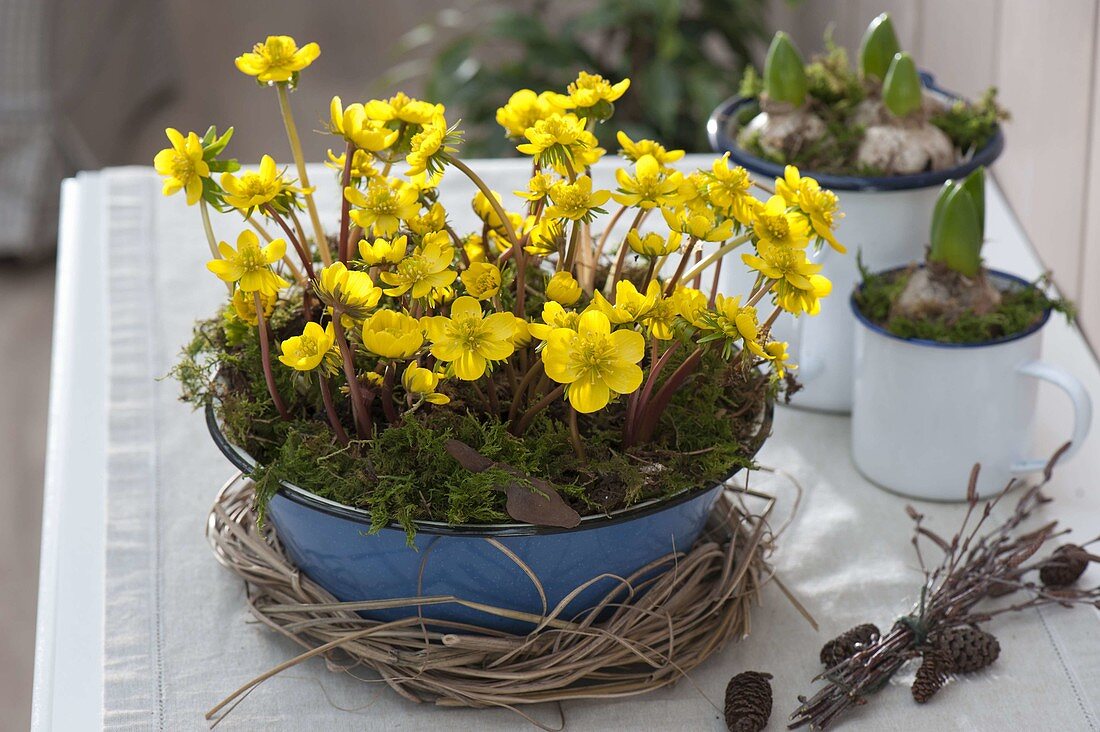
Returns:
<point x="845" y="645"/>
<point x="1066" y="564"/>
<point x="931" y="675"/>
<point x="748" y="702"/>
<point x="968" y="649"/>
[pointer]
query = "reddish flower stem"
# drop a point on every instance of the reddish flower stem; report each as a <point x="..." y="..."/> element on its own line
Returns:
<point x="265" y="357"/>
<point x="330" y="410"/>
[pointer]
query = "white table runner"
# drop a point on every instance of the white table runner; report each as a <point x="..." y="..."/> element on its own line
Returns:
<point x="178" y="636"/>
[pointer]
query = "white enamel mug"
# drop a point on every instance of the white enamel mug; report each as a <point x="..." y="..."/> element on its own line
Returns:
<point x="924" y="412"/>
<point x="880" y="216"/>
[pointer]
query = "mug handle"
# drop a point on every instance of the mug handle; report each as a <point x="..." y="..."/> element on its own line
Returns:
<point x="1082" y="409"/>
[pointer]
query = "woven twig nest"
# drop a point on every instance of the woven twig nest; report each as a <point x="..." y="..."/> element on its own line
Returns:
<point x="677" y="619"/>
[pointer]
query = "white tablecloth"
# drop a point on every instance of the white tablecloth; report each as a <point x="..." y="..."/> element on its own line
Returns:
<point x="172" y="635"/>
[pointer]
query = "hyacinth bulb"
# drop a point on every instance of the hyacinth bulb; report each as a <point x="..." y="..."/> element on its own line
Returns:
<point x="878" y="48"/>
<point x="784" y="72"/>
<point x="956" y="237"/>
<point x="901" y="89"/>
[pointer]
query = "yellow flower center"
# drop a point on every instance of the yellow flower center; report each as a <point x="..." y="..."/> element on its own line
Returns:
<point x="275" y="51"/>
<point x="782" y="259"/>
<point x="182" y="166"/>
<point x="252" y="184"/>
<point x="595" y="355"/>
<point x="777" y="225"/>
<point x="251" y="258"/>
<point x="468" y="331"/>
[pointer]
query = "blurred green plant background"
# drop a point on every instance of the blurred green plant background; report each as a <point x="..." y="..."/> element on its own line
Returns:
<point x="683" y="57"/>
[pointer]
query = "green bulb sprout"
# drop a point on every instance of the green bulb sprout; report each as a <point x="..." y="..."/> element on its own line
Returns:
<point x="785" y="72"/>
<point x="878" y="48"/>
<point x="901" y="89"/>
<point x="958" y="225"/>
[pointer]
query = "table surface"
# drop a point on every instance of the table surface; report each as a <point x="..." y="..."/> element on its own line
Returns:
<point x="129" y="472"/>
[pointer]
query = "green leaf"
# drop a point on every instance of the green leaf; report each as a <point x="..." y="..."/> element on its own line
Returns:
<point x="784" y="72"/>
<point x="957" y="235"/>
<point x="975" y="186"/>
<point x="901" y="91"/>
<point x="878" y="48"/>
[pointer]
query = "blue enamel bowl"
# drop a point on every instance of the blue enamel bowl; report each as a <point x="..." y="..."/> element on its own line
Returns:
<point x="719" y="128"/>
<point x="332" y="544"/>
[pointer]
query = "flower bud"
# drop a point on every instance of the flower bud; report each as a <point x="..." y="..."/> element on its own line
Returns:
<point x="563" y="289"/>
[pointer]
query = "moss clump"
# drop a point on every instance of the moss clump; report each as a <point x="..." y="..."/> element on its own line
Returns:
<point x="711" y="428"/>
<point x="1020" y="309"/>
<point x="834" y="93"/>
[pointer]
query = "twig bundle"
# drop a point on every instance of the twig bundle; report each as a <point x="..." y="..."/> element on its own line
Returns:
<point x="668" y="624"/>
<point x="974" y="567"/>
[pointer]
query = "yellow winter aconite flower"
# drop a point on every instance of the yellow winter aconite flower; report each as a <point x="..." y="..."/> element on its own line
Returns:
<point x="307" y="351"/>
<point x="362" y="164"/>
<point x="818" y="204"/>
<point x="482" y="280"/>
<point x="485" y="210"/>
<point x="691" y="305"/>
<point x="594" y="361"/>
<point x="591" y="89"/>
<point x="249" y="265"/>
<point x="701" y="223"/>
<point x="661" y="319"/>
<point x="735" y="321"/>
<point x="277" y="59"/>
<point x="347" y="291"/>
<point x="728" y="189"/>
<point x="244" y="305"/>
<point x="630" y="305"/>
<point x="782" y="263"/>
<point x="383" y="251"/>
<point x="544" y="235"/>
<point x="422" y="383"/>
<point x="553" y="316"/>
<point x="576" y="201"/>
<point x="653" y="244"/>
<point x="776" y="224"/>
<point x="525" y="108"/>
<point x="250" y="190"/>
<point x="428" y="221"/>
<point x="182" y="165"/>
<point x="776" y="353"/>
<point x="650" y="186"/>
<point x="428" y="146"/>
<point x="383" y="205"/>
<point x="558" y="137"/>
<point x="403" y="108"/>
<point x="563" y="288"/>
<point x="634" y="151"/>
<point x="353" y="124"/>
<point x="423" y="271"/>
<point x="467" y="340"/>
<point x="392" y="334"/>
<point x="797" y="300"/>
<point x="538" y="188"/>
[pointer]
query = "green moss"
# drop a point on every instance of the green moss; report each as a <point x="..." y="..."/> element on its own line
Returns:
<point x="405" y="474"/>
<point x="1020" y="309"/>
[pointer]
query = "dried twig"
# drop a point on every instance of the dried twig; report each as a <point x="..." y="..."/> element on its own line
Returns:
<point x="666" y="626"/>
<point x="973" y="564"/>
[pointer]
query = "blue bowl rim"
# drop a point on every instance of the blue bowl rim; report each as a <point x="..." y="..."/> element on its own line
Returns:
<point x="245" y="463"/>
<point x="720" y="141"/>
<point x="995" y="273"/>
